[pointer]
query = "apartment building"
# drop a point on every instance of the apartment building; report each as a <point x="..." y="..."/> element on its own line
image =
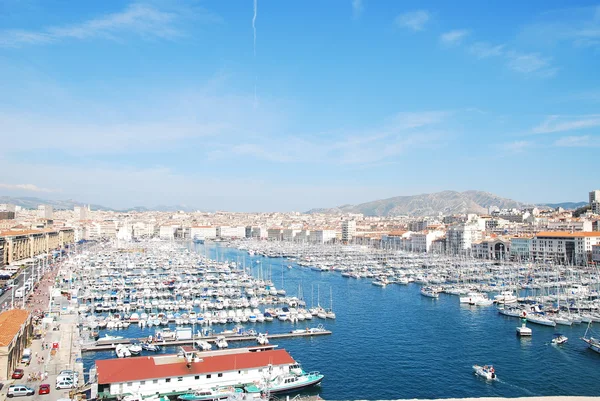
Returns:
<point x="520" y="247"/>
<point x="348" y="230"/>
<point x="564" y="247"/>
<point x="206" y="232"/>
<point x="322" y="236"/>
<point x="460" y="237"/>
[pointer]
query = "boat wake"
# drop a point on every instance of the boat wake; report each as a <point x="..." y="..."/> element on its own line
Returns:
<point x="523" y="389"/>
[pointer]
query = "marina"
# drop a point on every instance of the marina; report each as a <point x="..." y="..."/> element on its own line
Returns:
<point x="487" y="316"/>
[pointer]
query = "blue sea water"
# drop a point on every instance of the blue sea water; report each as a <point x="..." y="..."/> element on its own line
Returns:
<point x="393" y="343"/>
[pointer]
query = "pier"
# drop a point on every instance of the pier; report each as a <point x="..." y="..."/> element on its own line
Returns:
<point x="111" y="345"/>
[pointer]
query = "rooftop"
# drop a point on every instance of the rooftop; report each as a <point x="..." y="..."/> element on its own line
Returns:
<point x="565" y="234"/>
<point x="10" y="324"/>
<point x="158" y="367"/>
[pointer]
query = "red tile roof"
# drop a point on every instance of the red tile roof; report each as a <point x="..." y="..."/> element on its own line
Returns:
<point x="567" y="234"/>
<point x="10" y="323"/>
<point x="147" y="368"/>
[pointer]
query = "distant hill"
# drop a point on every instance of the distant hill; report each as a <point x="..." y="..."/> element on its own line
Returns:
<point x="32" y="203"/>
<point x="445" y="202"/>
<point x="566" y="205"/>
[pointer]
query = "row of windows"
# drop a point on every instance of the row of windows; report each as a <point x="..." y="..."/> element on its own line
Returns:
<point x="180" y="378"/>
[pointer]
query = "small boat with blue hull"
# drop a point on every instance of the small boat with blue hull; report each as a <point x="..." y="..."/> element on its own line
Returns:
<point x="213" y="394"/>
<point x="291" y="382"/>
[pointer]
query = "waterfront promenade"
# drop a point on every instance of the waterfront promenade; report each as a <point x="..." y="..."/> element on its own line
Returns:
<point x="58" y="346"/>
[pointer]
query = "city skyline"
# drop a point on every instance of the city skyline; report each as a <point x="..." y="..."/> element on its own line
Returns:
<point x="147" y="103"/>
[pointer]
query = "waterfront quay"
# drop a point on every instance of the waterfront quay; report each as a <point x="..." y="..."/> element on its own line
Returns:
<point x="55" y="344"/>
<point x="99" y="346"/>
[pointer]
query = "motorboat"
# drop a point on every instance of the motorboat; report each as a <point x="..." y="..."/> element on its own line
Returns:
<point x="487" y="372"/>
<point x="135" y="347"/>
<point x="108" y="339"/>
<point x="291" y="382"/>
<point x="218" y="393"/>
<point x="150" y="347"/>
<point x="204" y="345"/>
<point x="122" y="351"/>
<point x="221" y="342"/>
<point x="559" y="339"/>
<point x="262" y="339"/>
<point x="429" y="292"/>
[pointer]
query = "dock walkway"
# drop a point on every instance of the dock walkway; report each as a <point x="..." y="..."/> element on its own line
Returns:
<point x="110" y="345"/>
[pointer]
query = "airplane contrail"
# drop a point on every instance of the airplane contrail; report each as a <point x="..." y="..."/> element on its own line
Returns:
<point x="254" y="24"/>
<point x="254" y="29"/>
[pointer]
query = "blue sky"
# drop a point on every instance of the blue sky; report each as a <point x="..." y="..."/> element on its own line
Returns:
<point x="159" y="102"/>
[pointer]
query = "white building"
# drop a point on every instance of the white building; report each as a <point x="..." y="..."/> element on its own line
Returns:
<point x="275" y="234"/>
<point x="421" y="241"/>
<point x="7" y="207"/>
<point x="459" y="237"/>
<point x="290" y="234"/>
<point x="570" y="225"/>
<point x="322" y="236"/>
<point x="258" y="232"/>
<point x="564" y="247"/>
<point x="167" y="232"/>
<point x="81" y="212"/>
<point x="595" y="201"/>
<point x="494" y="248"/>
<point x="177" y="374"/>
<point x="231" y="232"/>
<point x="45" y="212"/>
<point x="143" y="230"/>
<point x="348" y="230"/>
<point x="206" y="232"/>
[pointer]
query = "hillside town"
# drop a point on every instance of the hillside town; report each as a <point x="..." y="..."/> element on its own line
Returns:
<point x="528" y="234"/>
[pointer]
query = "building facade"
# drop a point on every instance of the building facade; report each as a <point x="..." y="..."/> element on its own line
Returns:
<point x="348" y="230"/>
<point x="16" y="330"/>
<point x="564" y="247"/>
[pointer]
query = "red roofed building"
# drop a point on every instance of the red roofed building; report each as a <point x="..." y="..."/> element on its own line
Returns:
<point x="189" y="371"/>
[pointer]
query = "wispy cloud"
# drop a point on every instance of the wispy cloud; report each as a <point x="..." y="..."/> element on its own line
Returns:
<point x="453" y="38"/>
<point x="413" y="20"/>
<point x="555" y="123"/>
<point x="24" y="187"/>
<point x="524" y="63"/>
<point x="517" y="146"/>
<point x="139" y="19"/>
<point x="400" y="133"/>
<point x="485" y="50"/>
<point x="357" y="8"/>
<point x="579" y="26"/>
<point x="576" y="141"/>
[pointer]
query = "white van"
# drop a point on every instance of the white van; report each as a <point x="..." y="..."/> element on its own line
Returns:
<point x="20" y="292"/>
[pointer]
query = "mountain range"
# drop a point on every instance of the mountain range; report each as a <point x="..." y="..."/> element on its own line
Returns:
<point x="32" y="203"/>
<point x="445" y="202"/>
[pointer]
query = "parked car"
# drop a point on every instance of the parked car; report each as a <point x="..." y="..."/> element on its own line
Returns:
<point x="19" y="390"/>
<point x="62" y="383"/>
<point x="44" y="389"/>
<point x="69" y="373"/>
<point x="18" y="374"/>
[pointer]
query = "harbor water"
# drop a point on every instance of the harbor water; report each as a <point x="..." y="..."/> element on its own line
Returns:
<point x="393" y="343"/>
